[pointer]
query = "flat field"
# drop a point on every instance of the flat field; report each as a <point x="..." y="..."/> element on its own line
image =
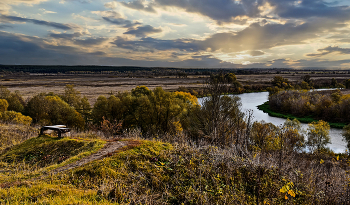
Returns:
<point x="94" y="85"/>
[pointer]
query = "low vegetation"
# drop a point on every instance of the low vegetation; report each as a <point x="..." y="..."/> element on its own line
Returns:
<point x="177" y="152"/>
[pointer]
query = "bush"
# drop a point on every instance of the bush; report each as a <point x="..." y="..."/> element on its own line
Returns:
<point x="15" y="117"/>
<point x="3" y="105"/>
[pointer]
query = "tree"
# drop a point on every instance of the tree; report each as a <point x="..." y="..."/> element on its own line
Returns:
<point x="140" y="90"/>
<point x="294" y="140"/>
<point x="333" y="82"/>
<point x="100" y="109"/>
<point x="304" y="85"/>
<point x="53" y="110"/>
<point x="15" y="100"/>
<point x="37" y="108"/>
<point x="71" y="96"/>
<point x="281" y="82"/>
<point x="263" y="135"/>
<point x="3" y="105"/>
<point x="85" y="108"/>
<point x="346" y="136"/>
<point x="307" y="78"/>
<point x="318" y="135"/>
<point x="347" y="84"/>
<point x="4" y="92"/>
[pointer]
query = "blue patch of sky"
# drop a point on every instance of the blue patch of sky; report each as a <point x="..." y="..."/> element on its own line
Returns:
<point x="63" y="11"/>
<point x="29" y="29"/>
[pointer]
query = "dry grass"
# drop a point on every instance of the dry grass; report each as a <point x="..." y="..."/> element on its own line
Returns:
<point x="13" y="134"/>
<point x="94" y="85"/>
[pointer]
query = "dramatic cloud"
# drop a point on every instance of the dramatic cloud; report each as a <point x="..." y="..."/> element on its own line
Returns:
<point x="120" y="21"/>
<point x="139" y="5"/>
<point x="228" y="10"/>
<point x="11" y="19"/>
<point x="176" y="33"/>
<point x="309" y="8"/>
<point x="143" y="31"/>
<point x="219" y="10"/>
<point x="90" y="41"/>
<point x="252" y="38"/>
<point x="330" y="49"/>
<point x="151" y="44"/>
<point x="65" y="35"/>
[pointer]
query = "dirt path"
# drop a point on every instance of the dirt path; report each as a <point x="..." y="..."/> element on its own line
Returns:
<point x="109" y="148"/>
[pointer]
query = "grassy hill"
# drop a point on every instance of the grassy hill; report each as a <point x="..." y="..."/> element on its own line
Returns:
<point x="155" y="172"/>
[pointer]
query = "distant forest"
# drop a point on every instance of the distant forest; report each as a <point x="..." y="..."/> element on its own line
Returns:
<point x="160" y="71"/>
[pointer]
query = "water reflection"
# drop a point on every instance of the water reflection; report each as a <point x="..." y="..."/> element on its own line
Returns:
<point x="252" y="100"/>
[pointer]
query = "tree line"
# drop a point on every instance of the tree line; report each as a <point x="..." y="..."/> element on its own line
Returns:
<point x="330" y="106"/>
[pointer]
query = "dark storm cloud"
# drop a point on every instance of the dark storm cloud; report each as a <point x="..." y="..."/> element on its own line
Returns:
<point x="219" y="10"/>
<point x="143" y="31"/>
<point x="330" y="49"/>
<point x="254" y="37"/>
<point x="90" y="41"/>
<point x="227" y="10"/>
<point x="19" y="49"/>
<point x="15" y="50"/>
<point x="139" y="5"/>
<point x="120" y="21"/>
<point x="81" y="42"/>
<point x="13" y="44"/>
<point x="150" y="44"/>
<point x="35" y="21"/>
<point x="310" y="8"/>
<point x="66" y="36"/>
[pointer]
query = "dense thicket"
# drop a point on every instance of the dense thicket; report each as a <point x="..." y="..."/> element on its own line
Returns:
<point x="154" y="112"/>
<point x="328" y="106"/>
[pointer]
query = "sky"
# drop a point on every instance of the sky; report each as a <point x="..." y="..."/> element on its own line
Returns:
<point x="177" y="33"/>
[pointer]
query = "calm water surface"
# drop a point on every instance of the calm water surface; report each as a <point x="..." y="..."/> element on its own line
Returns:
<point x="250" y="101"/>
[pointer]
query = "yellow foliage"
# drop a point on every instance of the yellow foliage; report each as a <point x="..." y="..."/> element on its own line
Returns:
<point x="178" y="126"/>
<point x="288" y="189"/>
<point x="3" y="105"/>
<point x="15" y="117"/>
<point x="187" y="97"/>
<point x="292" y="193"/>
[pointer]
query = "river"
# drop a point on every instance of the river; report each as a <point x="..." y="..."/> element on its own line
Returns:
<point x="252" y="100"/>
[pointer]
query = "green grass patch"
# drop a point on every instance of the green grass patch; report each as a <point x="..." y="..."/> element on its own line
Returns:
<point x="45" y="150"/>
<point x="266" y="108"/>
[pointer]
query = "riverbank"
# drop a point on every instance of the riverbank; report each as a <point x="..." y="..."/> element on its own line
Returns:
<point x="266" y="109"/>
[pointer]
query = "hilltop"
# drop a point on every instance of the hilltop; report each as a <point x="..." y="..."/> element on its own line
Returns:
<point x="47" y="170"/>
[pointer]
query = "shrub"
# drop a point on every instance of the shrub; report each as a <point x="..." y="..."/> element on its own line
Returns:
<point x="3" y="105"/>
<point x="15" y="117"/>
<point x="318" y="135"/>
